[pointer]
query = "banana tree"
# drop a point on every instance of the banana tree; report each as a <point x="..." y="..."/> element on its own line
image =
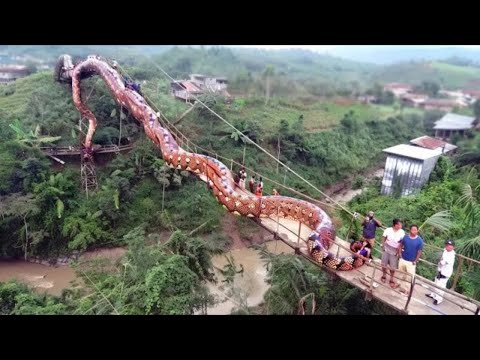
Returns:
<point x="32" y="137"/>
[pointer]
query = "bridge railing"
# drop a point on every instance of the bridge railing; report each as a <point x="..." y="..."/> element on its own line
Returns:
<point x="75" y="150"/>
<point x="404" y="277"/>
<point x="184" y="142"/>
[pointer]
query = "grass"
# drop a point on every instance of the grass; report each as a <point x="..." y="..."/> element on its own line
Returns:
<point x="456" y="76"/>
<point x="319" y="116"/>
<point x="16" y="103"/>
<point x="447" y="75"/>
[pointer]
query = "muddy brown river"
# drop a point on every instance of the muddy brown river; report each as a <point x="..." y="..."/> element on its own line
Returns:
<point x="247" y="288"/>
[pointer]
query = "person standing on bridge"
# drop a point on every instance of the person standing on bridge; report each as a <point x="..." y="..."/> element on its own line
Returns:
<point x="412" y="246"/>
<point x="370" y="225"/>
<point x="445" y="270"/>
<point x="251" y="184"/>
<point x="391" y="239"/>
<point x="259" y="190"/>
<point x="242" y="175"/>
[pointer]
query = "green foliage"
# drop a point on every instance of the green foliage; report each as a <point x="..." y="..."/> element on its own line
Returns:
<point x="153" y="279"/>
<point x="358" y="183"/>
<point x="169" y="286"/>
<point x="447" y="207"/>
<point x="191" y="206"/>
<point x="195" y="250"/>
<point x="476" y="109"/>
<point x="21" y="166"/>
<point x="297" y="284"/>
<point x="440" y="73"/>
<point x="18" y="299"/>
<point x="431" y="88"/>
<point x="85" y="228"/>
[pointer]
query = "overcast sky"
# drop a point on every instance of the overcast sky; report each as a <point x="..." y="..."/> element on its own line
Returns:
<point x="331" y="48"/>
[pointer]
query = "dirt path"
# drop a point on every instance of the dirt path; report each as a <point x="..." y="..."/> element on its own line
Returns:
<point x="346" y="194"/>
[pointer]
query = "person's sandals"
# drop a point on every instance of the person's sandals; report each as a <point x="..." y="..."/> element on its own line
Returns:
<point x="384" y="279"/>
<point x="394" y="285"/>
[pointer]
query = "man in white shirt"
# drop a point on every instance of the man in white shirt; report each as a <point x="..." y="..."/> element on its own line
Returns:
<point x="391" y="239"/>
<point x="445" y="270"/>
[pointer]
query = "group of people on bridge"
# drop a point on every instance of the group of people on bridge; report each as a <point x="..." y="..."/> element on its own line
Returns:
<point x="401" y="251"/>
<point x="255" y="187"/>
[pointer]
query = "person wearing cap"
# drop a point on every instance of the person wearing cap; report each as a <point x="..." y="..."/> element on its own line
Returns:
<point x="370" y="225"/>
<point x="412" y="246"/>
<point x="445" y="270"/>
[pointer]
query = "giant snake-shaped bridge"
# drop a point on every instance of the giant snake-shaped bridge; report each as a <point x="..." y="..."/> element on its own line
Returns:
<point x="217" y="175"/>
<point x="316" y="223"/>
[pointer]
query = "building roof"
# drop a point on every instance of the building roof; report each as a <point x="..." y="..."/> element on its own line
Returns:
<point x="473" y="93"/>
<point x="13" y="68"/>
<point x="454" y="122"/>
<point x="414" y="152"/>
<point x="397" y="86"/>
<point x="441" y="102"/>
<point x="415" y="96"/>
<point x="428" y="142"/>
<point x="188" y="85"/>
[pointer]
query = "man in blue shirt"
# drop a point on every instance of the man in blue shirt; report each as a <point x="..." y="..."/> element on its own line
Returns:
<point x="370" y="225"/>
<point x="412" y="246"/>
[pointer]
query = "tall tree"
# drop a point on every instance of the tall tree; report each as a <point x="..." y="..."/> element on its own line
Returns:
<point x="21" y="206"/>
<point x="268" y="73"/>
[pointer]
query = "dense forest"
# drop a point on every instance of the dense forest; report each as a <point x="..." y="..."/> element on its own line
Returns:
<point x="168" y="221"/>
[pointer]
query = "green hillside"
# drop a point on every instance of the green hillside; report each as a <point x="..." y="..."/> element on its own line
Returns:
<point x="447" y="75"/>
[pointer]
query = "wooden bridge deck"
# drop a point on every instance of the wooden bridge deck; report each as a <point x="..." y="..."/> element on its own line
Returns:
<point x="75" y="151"/>
<point x="287" y="231"/>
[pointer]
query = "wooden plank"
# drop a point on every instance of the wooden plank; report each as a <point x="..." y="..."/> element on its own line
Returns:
<point x="419" y="304"/>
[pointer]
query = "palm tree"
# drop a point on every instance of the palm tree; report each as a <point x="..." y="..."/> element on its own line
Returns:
<point x="441" y="221"/>
<point x="470" y="204"/>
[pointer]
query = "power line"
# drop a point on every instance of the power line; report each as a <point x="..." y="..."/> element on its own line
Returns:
<point x="168" y="123"/>
<point x="255" y="144"/>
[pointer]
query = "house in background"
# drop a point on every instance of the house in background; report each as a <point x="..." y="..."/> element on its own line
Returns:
<point x="413" y="100"/>
<point x="398" y="89"/>
<point x="197" y="85"/>
<point x="407" y="168"/>
<point x="460" y="96"/>
<point x="471" y="95"/>
<point x="442" y="104"/>
<point x="452" y="124"/>
<point x="10" y="73"/>
<point x="368" y="99"/>
<point x="428" y="142"/>
<point x="185" y="90"/>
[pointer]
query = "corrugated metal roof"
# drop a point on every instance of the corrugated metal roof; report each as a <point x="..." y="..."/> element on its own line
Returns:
<point x="454" y="122"/>
<point x="432" y="143"/>
<point x="428" y="142"/>
<point x="190" y="87"/>
<point x="414" y="152"/>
